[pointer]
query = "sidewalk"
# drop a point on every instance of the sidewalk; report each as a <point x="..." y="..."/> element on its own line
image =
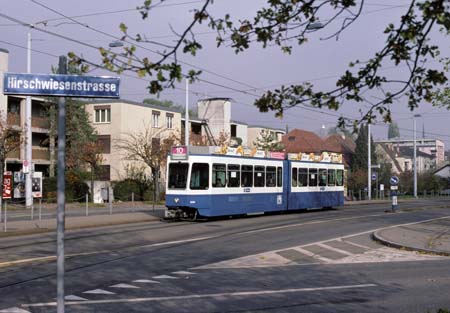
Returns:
<point x="429" y="237"/>
<point x="26" y="227"/>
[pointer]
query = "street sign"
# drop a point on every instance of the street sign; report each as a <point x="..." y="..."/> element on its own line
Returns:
<point x="179" y="153"/>
<point x="36" y="185"/>
<point x="25" y="166"/>
<point x="394" y="187"/>
<point x="394" y="180"/>
<point x="374" y="176"/>
<point x="61" y="85"/>
<point x="381" y="187"/>
<point x="7" y="185"/>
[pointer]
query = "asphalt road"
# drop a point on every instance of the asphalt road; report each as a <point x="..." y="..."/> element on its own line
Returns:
<point x="322" y="261"/>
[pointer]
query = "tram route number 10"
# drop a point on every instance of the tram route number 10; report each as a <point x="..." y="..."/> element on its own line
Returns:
<point x="179" y="152"/>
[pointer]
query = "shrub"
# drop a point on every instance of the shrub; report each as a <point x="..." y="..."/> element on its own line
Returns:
<point x="76" y="188"/>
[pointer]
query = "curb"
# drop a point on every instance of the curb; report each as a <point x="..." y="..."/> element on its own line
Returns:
<point x="377" y="237"/>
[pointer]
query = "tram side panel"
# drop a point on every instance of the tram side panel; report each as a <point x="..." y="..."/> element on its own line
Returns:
<point x="315" y="185"/>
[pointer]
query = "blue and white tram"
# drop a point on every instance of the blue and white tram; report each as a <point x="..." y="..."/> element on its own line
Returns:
<point x="221" y="185"/>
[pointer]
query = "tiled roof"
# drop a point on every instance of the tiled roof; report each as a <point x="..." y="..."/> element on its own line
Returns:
<point x="341" y="144"/>
<point x="298" y="140"/>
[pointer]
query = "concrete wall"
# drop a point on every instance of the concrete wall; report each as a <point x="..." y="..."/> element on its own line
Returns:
<point x="217" y="112"/>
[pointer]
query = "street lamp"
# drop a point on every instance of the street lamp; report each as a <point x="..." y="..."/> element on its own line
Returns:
<point x="415" y="156"/>
<point x="116" y="44"/>
<point x="369" y="165"/>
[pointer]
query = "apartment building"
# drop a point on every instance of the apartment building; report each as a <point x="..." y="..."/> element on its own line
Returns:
<point x="12" y="110"/>
<point x="114" y="119"/>
<point x="430" y="153"/>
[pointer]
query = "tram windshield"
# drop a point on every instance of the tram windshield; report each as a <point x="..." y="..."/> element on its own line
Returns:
<point x="178" y="175"/>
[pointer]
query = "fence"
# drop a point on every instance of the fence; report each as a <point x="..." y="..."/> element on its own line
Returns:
<point x="48" y="205"/>
<point x="362" y="194"/>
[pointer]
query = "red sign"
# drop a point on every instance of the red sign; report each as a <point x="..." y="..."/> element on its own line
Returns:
<point x="277" y="155"/>
<point x="179" y="153"/>
<point x="7" y="185"/>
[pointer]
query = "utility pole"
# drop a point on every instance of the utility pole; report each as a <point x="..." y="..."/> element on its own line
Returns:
<point x="186" y="116"/>
<point x="369" y="165"/>
<point x="415" y="156"/>
<point x="28" y="138"/>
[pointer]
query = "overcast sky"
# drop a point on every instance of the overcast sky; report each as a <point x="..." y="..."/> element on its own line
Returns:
<point x="226" y="74"/>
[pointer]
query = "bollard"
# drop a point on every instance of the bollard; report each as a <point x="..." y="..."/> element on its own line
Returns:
<point x="394" y="201"/>
<point x="132" y="198"/>
<point x="110" y="200"/>
<point x="40" y="209"/>
<point x="359" y="195"/>
<point x="87" y="204"/>
<point x="32" y="208"/>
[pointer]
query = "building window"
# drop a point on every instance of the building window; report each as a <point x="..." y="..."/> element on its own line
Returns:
<point x="233" y="131"/>
<point x="105" y="142"/>
<point x="103" y="173"/>
<point x="155" y="119"/>
<point x="102" y="114"/>
<point x="169" y="120"/>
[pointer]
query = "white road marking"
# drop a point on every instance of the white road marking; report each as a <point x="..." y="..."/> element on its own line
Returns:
<point x="124" y="286"/>
<point x="354" y="244"/>
<point x="164" y="277"/>
<point x="14" y="310"/>
<point x="311" y="254"/>
<point x="74" y="298"/>
<point x="335" y="249"/>
<point x="99" y="292"/>
<point x="183" y="273"/>
<point x="146" y="281"/>
<point x="213" y="295"/>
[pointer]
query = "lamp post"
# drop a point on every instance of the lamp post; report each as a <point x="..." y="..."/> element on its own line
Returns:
<point x="369" y="165"/>
<point x="28" y="134"/>
<point x="415" y="156"/>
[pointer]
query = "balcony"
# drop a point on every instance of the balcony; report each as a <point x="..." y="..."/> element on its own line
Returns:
<point x="14" y="155"/>
<point x="40" y="122"/>
<point x="40" y="154"/>
<point x="13" y="119"/>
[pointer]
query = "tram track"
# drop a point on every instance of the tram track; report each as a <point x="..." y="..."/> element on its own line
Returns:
<point x="127" y="251"/>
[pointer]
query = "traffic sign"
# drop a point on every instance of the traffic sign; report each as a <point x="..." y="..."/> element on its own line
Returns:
<point x="61" y="85"/>
<point x="25" y="166"/>
<point x="394" y="180"/>
<point x="374" y="176"/>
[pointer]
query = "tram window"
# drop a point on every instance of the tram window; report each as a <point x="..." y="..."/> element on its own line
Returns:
<point x="312" y="177"/>
<point x="234" y="175"/>
<point x="294" y="177"/>
<point x="247" y="175"/>
<point x="271" y="176"/>
<point x="218" y="175"/>
<point x="279" y="176"/>
<point x="302" y="177"/>
<point x="339" y="177"/>
<point x="199" y="176"/>
<point x="322" y="177"/>
<point x="331" y="177"/>
<point x="178" y="175"/>
<point x="259" y="176"/>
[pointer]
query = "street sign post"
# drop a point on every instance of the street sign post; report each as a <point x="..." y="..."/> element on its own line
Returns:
<point x="394" y="187"/>
<point x="60" y="85"/>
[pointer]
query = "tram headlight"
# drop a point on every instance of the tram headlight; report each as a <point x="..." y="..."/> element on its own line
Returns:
<point x="176" y="200"/>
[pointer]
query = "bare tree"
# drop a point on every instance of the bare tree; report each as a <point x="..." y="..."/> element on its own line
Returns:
<point x="92" y="155"/>
<point x="149" y="146"/>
